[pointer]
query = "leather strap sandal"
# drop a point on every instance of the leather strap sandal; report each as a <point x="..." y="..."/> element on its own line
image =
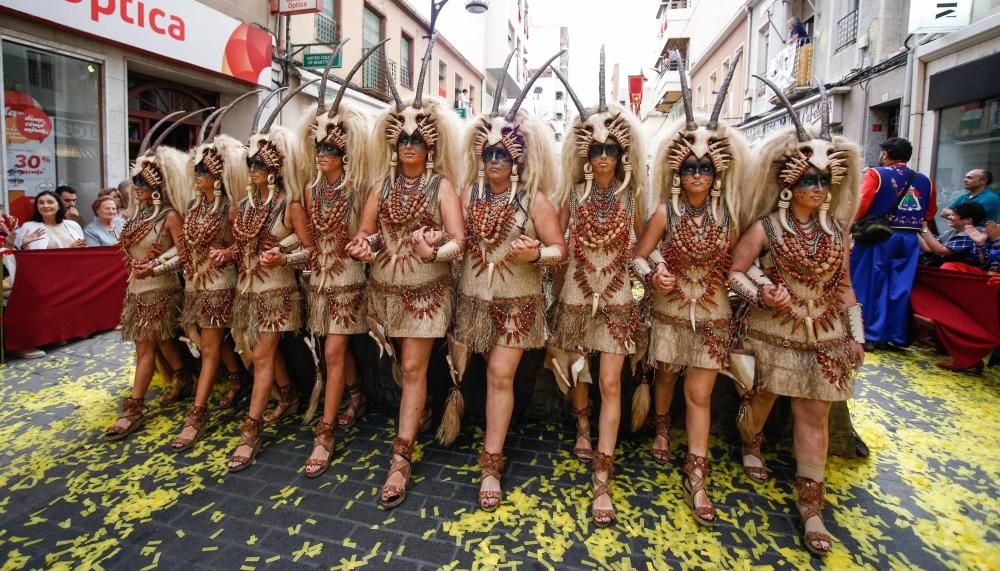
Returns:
<point x="694" y="484"/>
<point x="238" y="385"/>
<point x="288" y="404"/>
<point x="583" y="454"/>
<point x="661" y="427"/>
<point x="602" y="463"/>
<point x="133" y="412"/>
<point x="357" y="404"/>
<point x="492" y="466"/>
<point x="392" y="495"/>
<point x="250" y="435"/>
<point x="756" y="473"/>
<point x="324" y="439"/>
<point x="197" y="418"/>
<point x="183" y="386"/>
<point x="811" y="503"/>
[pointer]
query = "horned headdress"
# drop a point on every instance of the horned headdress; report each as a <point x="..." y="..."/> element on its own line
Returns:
<point x="699" y="138"/>
<point x="164" y="169"/>
<point x="431" y="118"/>
<point x="279" y="149"/>
<point x="787" y="155"/>
<point x="223" y="156"/>
<point x="520" y="134"/>
<point x="340" y="125"/>
<point x="598" y="126"/>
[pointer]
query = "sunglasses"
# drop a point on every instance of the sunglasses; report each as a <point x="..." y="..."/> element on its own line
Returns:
<point x="201" y="170"/>
<point x="414" y="140"/>
<point x="612" y="150"/>
<point x="498" y="154"/>
<point x="698" y="168"/>
<point x="256" y="164"/>
<point x="329" y="149"/>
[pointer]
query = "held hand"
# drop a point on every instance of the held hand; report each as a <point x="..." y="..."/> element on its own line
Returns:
<point x="858" y="350"/>
<point x="143" y="271"/>
<point x="420" y="246"/>
<point x="525" y="249"/>
<point x="272" y="258"/>
<point x="976" y="235"/>
<point x="775" y="296"/>
<point x="433" y="237"/>
<point x="218" y="256"/>
<point x="663" y="281"/>
<point x="360" y="250"/>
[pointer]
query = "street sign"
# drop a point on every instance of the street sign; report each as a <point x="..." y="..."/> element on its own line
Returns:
<point x="313" y="61"/>
<point x="292" y="7"/>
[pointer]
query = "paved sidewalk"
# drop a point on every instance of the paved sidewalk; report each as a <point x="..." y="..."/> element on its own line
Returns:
<point x="926" y="498"/>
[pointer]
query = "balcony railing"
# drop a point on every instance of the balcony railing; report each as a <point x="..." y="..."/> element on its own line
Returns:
<point x="406" y="76"/>
<point x="665" y="64"/>
<point x="326" y="29"/>
<point x="847" y="29"/>
<point x="676" y="4"/>
<point x="791" y="69"/>
<point x="374" y="72"/>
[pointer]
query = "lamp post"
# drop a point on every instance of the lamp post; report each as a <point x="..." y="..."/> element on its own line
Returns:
<point x="477" y="6"/>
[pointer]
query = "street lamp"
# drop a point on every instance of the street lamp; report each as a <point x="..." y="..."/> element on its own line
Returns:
<point x="477" y="6"/>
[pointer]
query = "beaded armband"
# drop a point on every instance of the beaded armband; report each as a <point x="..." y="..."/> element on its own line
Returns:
<point x="375" y="243"/>
<point x="447" y="252"/>
<point x="298" y="258"/>
<point x="655" y="258"/>
<point x="642" y="268"/>
<point x="758" y="276"/>
<point x="289" y="243"/>
<point x="548" y="256"/>
<point x="855" y="323"/>
<point x="741" y="285"/>
<point x="164" y="266"/>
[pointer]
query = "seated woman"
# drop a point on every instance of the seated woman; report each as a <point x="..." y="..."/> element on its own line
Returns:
<point x="107" y="225"/>
<point x="954" y="247"/>
<point x="48" y="228"/>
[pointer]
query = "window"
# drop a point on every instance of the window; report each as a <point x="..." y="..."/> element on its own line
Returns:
<point x="442" y="79"/>
<point x="52" y="103"/>
<point x="371" y="35"/>
<point x="405" y="61"/>
<point x="968" y="138"/>
<point x="326" y="22"/>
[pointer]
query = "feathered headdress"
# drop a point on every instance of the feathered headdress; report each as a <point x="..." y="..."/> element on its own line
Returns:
<point x="223" y="156"/>
<point x="164" y="169"/>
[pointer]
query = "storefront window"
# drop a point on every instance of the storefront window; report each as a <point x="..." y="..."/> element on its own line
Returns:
<point x="52" y="112"/>
<point x="968" y="138"/>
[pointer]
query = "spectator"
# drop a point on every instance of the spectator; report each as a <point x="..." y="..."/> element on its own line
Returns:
<point x="882" y="273"/>
<point x="989" y="240"/>
<point x="67" y="196"/>
<point x="977" y="182"/>
<point x="48" y="227"/>
<point x="107" y="225"/>
<point x="118" y="197"/>
<point x="954" y="247"/>
<point x="797" y="33"/>
<point x="463" y="99"/>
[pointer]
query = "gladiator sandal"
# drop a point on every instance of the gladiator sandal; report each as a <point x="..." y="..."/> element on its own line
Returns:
<point x="324" y="439"/>
<point x="392" y="495"/>
<point x="182" y="387"/>
<point x="583" y="454"/>
<point x="756" y="473"/>
<point x="661" y="427"/>
<point x="249" y="436"/>
<point x="288" y="404"/>
<point x="602" y="463"/>
<point x="695" y="483"/>
<point x="197" y="418"/>
<point x="810" y="504"/>
<point x="238" y="383"/>
<point x="491" y="465"/>
<point x="133" y="413"/>
<point x="356" y="406"/>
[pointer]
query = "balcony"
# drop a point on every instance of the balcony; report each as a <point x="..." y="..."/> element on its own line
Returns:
<point x="847" y="29"/>
<point x="791" y="70"/>
<point x="373" y="75"/>
<point x="325" y="29"/>
<point x="667" y="89"/>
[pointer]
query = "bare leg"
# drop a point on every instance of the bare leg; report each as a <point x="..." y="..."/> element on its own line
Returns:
<point x="334" y="353"/>
<point x="698" y="385"/>
<point x="502" y="365"/>
<point x="761" y="404"/>
<point x="580" y="398"/>
<point x="356" y="396"/>
<point x="229" y="358"/>
<point x="288" y="402"/>
<point x="131" y="415"/>
<point x="663" y="395"/>
<point x="415" y="355"/>
<point x="264" y="353"/>
<point x="211" y="343"/>
<point x="172" y="353"/>
<point x="611" y="412"/>
<point x="811" y="440"/>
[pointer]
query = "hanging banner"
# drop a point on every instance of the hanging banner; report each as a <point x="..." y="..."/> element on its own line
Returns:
<point x="28" y="130"/>
<point x="635" y="92"/>
<point x="185" y="31"/>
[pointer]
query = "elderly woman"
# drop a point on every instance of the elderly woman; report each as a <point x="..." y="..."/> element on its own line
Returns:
<point x="48" y="228"/>
<point x="107" y="226"/>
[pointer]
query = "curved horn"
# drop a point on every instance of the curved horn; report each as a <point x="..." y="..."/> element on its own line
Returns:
<point x="675" y="57"/>
<point x="391" y="80"/>
<point x="204" y="124"/>
<point x="321" y="96"/>
<point x="418" y="96"/>
<point x="218" y="122"/>
<point x="177" y="123"/>
<point x="347" y="80"/>
<point x="713" y="120"/>
<point x="260" y="108"/>
<point x="602" y="104"/>
<point x="799" y="129"/>
<point x="824" y="111"/>
<point x="284" y="100"/>
<point x="503" y="79"/>
<point x="527" y="87"/>
<point x="149" y="134"/>
<point x="572" y="94"/>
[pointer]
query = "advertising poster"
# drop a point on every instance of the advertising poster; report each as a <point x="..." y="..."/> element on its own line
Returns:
<point x="31" y="165"/>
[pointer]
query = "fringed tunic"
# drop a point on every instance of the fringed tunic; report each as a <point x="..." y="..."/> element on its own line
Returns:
<point x="336" y="287"/>
<point x="601" y="242"/>
<point x="698" y="257"/>
<point x="406" y="296"/>
<point x="803" y="351"/>
<point x="152" y="304"/>
<point x="511" y="311"/>
<point x="267" y="299"/>
<point x="208" y="289"/>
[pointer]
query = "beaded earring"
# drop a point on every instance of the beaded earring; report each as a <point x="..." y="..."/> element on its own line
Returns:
<point x="514" y="180"/>
<point x="627" y="165"/>
<point x="824" y="214"/>
<point x="429" y="165"/>
<point x="217" y="192"/>
<point x="784" y="201"/>
<point x="675" y="194"/>
<point x="588" y="177"/>
<point x="716" y="194"/>
<point x="271" y="189"/>
<point x="481" y="180"/>
<point x="392" y="165"/>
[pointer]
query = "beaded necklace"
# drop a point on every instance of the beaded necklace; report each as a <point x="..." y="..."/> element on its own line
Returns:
<point x="329" y="223"/>
<point x="249" y="229"/>
<point x="693" y="248"/>
<point x="406" y="203"/>
<point x="601" y="223"/>
<point x="201" y="229"/>
<point x="407" y="198"/>
<point x="135" y="229"/>
<point x="490" y="221"/>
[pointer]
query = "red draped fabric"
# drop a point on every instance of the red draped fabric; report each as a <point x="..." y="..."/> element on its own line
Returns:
<point x="965" y="311"/>
<point x="62" y="294"/>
